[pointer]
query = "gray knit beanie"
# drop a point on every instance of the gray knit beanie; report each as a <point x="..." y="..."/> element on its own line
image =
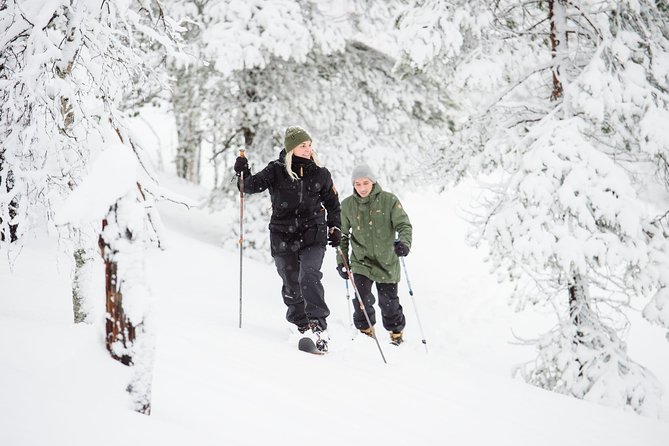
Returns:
<point x="294" y="137"/>
<point x="362" y="171"/>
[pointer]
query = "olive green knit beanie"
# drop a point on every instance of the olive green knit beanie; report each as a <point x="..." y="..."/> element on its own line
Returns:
<point x="294" y="137"/>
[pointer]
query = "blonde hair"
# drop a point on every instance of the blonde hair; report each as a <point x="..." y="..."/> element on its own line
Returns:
<point x="289" y="163"/>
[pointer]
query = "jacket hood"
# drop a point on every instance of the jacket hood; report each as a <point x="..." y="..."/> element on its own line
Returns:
<point x="376" y="189"/>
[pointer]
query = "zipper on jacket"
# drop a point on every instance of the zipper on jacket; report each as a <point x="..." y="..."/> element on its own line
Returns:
<point x="301" y="193"/>
<point x="299" y="196"/>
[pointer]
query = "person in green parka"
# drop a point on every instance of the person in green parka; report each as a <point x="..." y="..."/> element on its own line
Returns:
<point x="378" y="230"/>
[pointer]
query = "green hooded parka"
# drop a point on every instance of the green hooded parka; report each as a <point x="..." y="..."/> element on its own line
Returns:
<point x="371" y="225"/>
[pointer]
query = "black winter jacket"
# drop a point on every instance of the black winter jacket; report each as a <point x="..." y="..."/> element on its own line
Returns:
<point x="298" y="206"/>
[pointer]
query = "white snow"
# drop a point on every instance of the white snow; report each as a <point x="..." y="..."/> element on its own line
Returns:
<point x="217" y="384"/>
<point x="112" y="175"/>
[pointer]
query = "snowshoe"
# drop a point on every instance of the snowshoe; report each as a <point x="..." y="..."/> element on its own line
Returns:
<point x="307" y="345"/>
<point x="322" y="336"/>
<point x="317" y="343"/>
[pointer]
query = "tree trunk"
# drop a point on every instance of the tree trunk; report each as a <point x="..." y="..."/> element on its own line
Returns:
<point x="250" y="121"/>
<point x="120" y="333"/>
<point x="249" y="136"/>
<point x="558" y="39"/>
<point x="577" y="295"/>
<point x="579" y="308"/>
<point x="128" y="340"/>
<point x="8" y="230"/>
<point x="78" y="297"/>
<point x="187" y="110"/>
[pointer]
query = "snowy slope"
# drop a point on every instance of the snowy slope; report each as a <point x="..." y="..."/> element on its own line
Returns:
<point x="215" y="383"/>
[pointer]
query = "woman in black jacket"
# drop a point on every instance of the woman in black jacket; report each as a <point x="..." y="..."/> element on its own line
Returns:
<point x="305" y="216"/>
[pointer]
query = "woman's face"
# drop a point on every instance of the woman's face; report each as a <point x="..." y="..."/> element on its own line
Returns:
<point x="363" y="186"/>
<point x="303" y="150"/>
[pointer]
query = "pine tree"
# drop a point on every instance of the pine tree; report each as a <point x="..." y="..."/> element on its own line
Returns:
<point x="564" y="106"/>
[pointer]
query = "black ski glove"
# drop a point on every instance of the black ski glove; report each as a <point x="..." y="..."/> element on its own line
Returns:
<point x="401" y="249"/>
<point x="334" y="236"/>
<point x="242" y="166"/>
<point x="343" y="272"/>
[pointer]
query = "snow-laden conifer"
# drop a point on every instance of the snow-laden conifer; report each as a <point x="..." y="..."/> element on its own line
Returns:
<point x="565" y="105"/>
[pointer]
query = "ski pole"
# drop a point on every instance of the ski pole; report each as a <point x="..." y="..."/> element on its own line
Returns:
<point x="360" y="302"/>
<point x="413" y="299"/>
<point x="241" y="237"/>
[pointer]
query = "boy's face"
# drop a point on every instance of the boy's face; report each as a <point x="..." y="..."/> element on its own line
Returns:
<point x="363" y="186"/>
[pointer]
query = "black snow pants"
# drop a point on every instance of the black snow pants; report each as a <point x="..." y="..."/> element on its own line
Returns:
<point x="302" y="290"/>
<point x="389" y="303"/>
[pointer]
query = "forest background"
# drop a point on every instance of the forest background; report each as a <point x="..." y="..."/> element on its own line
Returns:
<point x="556" y="111"/>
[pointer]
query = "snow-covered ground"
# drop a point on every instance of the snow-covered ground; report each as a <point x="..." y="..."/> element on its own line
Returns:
<point x="215" y="383"/>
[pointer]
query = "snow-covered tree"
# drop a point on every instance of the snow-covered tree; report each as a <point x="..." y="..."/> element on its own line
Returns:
<point x="85" y="253"/>
<point x="191" y="87"/>
<point x="321" y="65"/>
<point x="129" y="337"/>
<point x="277" y="63"/>
<point x="65" y="67"/>
<point x="69" y="70"/>
<point x="566" y="104"/>
<point x="115" y="192"/>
